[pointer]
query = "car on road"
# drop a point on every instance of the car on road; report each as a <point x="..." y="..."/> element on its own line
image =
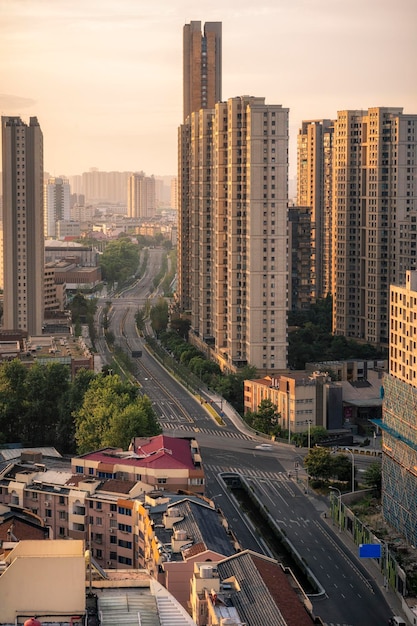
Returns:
<point x="263" y="446"/>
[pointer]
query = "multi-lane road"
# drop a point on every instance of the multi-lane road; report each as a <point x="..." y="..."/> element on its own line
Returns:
<point x="347" y="596"/>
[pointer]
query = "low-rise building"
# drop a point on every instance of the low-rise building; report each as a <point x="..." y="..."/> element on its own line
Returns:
<point x="153" y="462"/>
<point x="98" y="497"/>
<point x="44" y="578"/>
<point x="174" y="533"/>
<point x="334" y="394"/>
<point x="301" y="399"/>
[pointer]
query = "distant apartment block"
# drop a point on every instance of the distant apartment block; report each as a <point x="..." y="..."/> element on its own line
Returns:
<point x="56" y="204"/>
<point x="174" y="194"/>
<point x="374" y="217"/>
<point x="67" y="229"/>
<point x="97" y="186"/>
<point x="399" y="427"/>
<point x="141" y="197"/>
<point x="23" y="225"/>
<point x="314" y="190"/>
<point x="202" y="66"/>
<point x="232" y="256"/>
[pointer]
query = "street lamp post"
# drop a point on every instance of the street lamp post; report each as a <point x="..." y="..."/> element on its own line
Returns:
<point x="353" y="468"/>
<point x="340" y="506"/>
<point x="308" y="435"/>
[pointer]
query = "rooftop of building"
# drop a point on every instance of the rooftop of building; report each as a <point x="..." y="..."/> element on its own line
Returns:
<point x="160" y="452"/>
<point x="203" y="528"/>
<point x="261" y="592"/>
<point x="18" y="525"/>
<point x="127" y="592"/>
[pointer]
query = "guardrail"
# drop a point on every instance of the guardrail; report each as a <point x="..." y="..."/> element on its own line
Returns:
<point x="360" y="451"/>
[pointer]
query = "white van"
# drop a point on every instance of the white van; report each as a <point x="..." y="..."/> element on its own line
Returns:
<point x="397" y="621"/>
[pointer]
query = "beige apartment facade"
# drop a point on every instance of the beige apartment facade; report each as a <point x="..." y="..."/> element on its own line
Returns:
<point x="233" y="261"/>
<point x="141" y="196"/>
<point x="299" y="397"/>
<point x="374" y="217"/>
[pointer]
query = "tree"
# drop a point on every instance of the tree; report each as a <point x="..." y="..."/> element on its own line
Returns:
<point x="373" y="477"/>
<point x="318" y="463"/>
<point x="140" y="317"/>
<point x="12" y="399"/>
<point x="342" y="467"/>
<point x="181" y="326"/>
<point x="267" y="415"/>
<point x="137" y="419"/>
<point x="159" y="316"/>
<point x="70" y="403"/>
<point x="111" y="411"/>
<point x="119" y="261"/>
<point x="45" y="386"/>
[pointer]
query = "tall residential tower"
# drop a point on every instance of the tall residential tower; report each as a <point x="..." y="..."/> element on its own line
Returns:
<point x="234" y="179"/>
<point x="23" y="225"/>
<point x="202" y="66"/>
<point x="202" y="88"/>
<point x="374" y="217"/>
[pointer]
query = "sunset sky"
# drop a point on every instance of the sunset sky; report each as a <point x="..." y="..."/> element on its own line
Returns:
<point x="104" y="77"/>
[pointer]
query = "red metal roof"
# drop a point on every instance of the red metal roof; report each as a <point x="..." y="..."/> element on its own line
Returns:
<point x="158" y="452"/>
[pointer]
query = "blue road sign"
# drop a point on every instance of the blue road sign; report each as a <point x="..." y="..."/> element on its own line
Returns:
<point x="370" y="550"/>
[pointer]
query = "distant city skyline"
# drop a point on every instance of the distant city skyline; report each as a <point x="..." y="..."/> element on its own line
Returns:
<point x="104" y="78"/>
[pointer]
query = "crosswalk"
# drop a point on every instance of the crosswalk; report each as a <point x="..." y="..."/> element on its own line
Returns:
<point x="207" y="431"/>
<point x="248" y="473"/>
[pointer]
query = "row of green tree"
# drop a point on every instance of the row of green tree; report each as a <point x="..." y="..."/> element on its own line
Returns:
<point x="41" y="406"/>
<point x="206" y="372"/>
<point x="82" y="312"/>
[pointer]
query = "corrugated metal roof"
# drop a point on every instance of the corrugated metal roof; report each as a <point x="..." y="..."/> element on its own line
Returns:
<point x="202" y="525"/>
<point x="8" y="454"/>
<point x="153" y="606"/>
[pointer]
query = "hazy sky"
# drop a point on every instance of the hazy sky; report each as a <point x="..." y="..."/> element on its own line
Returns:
<point x="104" y="77"/>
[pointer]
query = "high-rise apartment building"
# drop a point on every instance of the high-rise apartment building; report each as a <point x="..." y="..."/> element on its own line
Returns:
<point x="233" y="188"/>
<point x="202" y="66"/>
<point x="202" y="58"/>
<point x="374" y="217"/>
<point x="300" y="279"/>
<point x="141" y="198"/>
<point x="23" y="225"/>
<point x="314" y="190"/>
<point x="399" y="426"/>
<point x="57" y="204"/>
